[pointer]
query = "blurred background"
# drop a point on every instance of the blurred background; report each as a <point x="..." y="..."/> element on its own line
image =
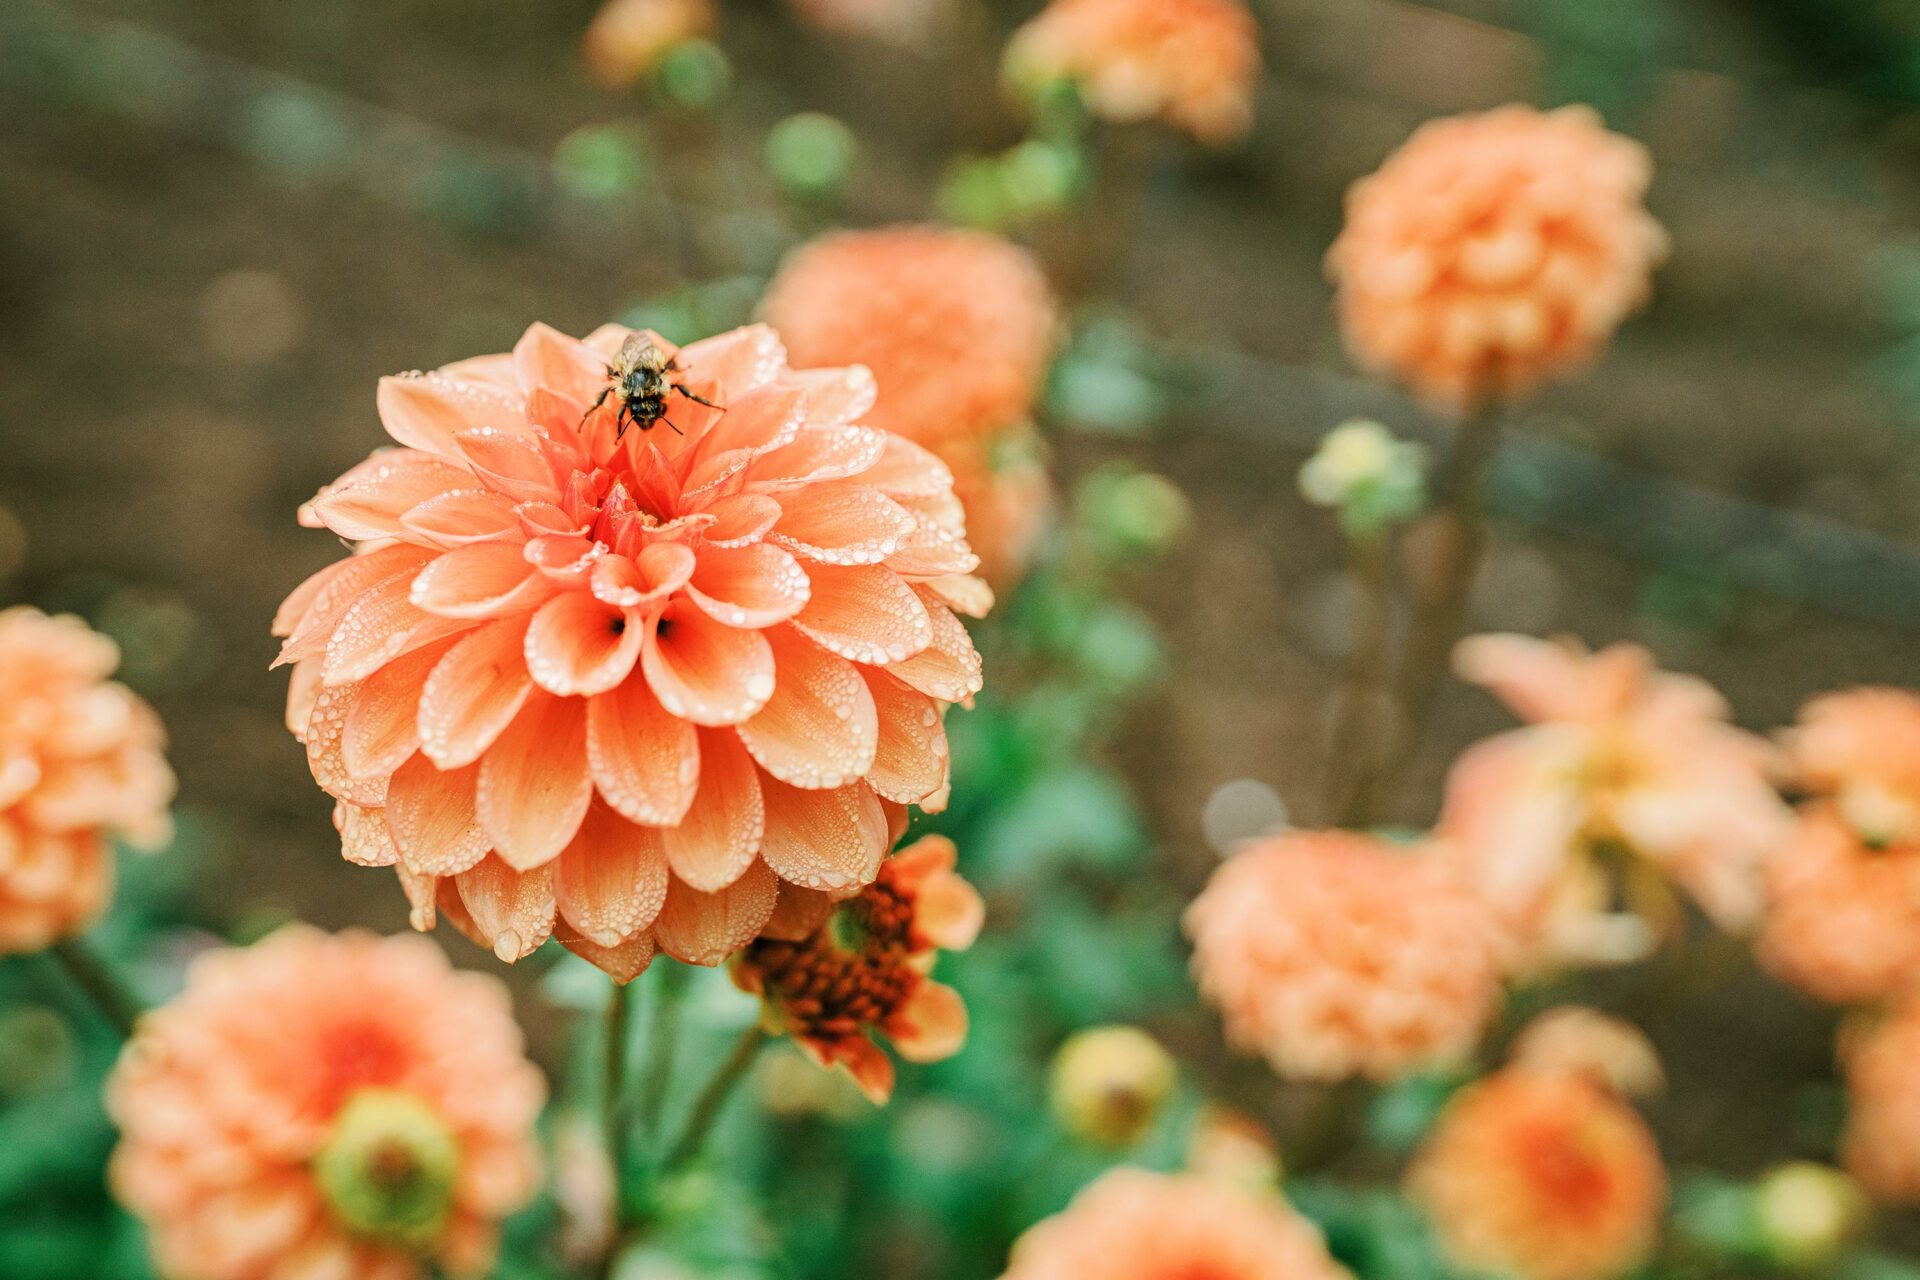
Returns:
<point x="222" y="220"/>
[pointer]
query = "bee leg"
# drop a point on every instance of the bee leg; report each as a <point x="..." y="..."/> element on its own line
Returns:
<point x="596" y="404"/>
<point x="620" y="421"/>
<point x="698" y="399"/>
<point x="676" y="430"/>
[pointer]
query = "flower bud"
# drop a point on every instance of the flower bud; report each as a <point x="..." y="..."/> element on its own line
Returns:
<point x="388" y="1169"/>
<point x="1109" y="1083"/>
<point x="1374" y="480"/>
<point x="1808" y="1212"/>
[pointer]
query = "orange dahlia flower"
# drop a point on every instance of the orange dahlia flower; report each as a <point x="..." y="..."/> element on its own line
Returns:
<point x="325" y="1105"/>
<point x="1009" y="500"/>
<point x="1542" y="1175"/>
<point x="80" y="763"/>
<point x="1334" y="955"/>
<point x="1193" y="63"/>
<point x="1135" y="1225"/>
<point x="624" y="686"/>
<point x="1881" y="1145"/>
<point x="1843" y="918"/>
<point x="833" y="974"/>
<point x="1610" y="1051"/>
<point x="1623" y="765"/>
<point x="1493" y="251"/>
<point x="628" y="39"/>
<point x="1861" y="747"/>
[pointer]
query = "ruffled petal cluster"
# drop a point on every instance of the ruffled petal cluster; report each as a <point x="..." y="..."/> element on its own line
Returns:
<point x="835" y="974"/>
<point x="1610" y="1051"/>
<point x="622" y="688"/>
<point x="1625" y="771"/>
<point x="1136" y="1225"/>
<point x="1336" y="955"/>
<point x="1192" y="63"/>
<point x="237" y="1100"/>
<point x="1493" y="251"/>
<point x="1860" y="748"/>
<point x="957" y="327"/>
<point x="80" y="764"/>
<point x="1541" y="1175"/>
<point x="1843" y="918"/>
<point x="1881" y="1145"/>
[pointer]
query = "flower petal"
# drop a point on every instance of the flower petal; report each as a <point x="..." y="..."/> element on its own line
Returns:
<point x="865" y="613"/>
<point x="837" y="396"/>
<point x="611" y="881"/>
<point x="486" y="580"/>
<point x="842" y="523"/>
<point x="754" y="586"/>
<point x="474" y="693"/>
<point x="910" y="762"/>
<point x="909" y="470"/>
<point x="740" y="359"/>
<point x="741" y="519"/>
<point x="545" y="358"/>
<point x="426" y="411"/>
<point x="819" y="730"/>
<point x="580" y="645"/>
<point x="655" y="573"/>
<point x="816" y="455"/>
<point x="511" y="462"/>
<point x="430" y="815"/>
<point x="721" y="833"/>
<point x="534" y="787"/>
<point x="622" y="963"/>
<point x="512" y="910"/>
<point x="948" y="668"/>
<point x="364" y="838"/>
<point x="325" y="602"/>
<point x="461" y="516"/>
<point x="706" y="928"/>
<point x="705" y="671"/>
<point x="381" y="728"/>
<point x="644" y="760"/>
<point x="827" y="840"/>
<point x="932" y="1025"/>
<point x="382" y="625"/>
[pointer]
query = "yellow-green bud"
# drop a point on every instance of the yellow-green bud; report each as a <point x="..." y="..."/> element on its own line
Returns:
<point x="1373" y="479"/>
<point x="1109" y="1083"/>
<point x="1808" y="1212"/>
<point x="388" y="1169"/>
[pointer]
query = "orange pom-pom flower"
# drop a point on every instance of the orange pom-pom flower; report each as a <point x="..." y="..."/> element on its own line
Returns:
<point x="326" y="1105"/>
<point x="80" y="764"/>
<point x="623" y="680"/>
<point x="1843" y="918"/>
<point x="1335" y="955"/>
<point x="1861" y="749"/>
<point x="1493" y="251"/>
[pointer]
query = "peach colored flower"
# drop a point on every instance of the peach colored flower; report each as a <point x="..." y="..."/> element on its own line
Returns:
<point x="957" y="326"/>
<point x="1861" y="747"/>
<point x="1622" y="763"/>
<point x="630" y="683"/>
<point x="325" y="1105"/>
<point x="905" y="22"/>
<point x="1008" y="496"/>
<point x="1542" y="1175"/>
<point x="1493" y="251"/>
<point x="1335" y="954"/>
<point x="80" y="763"/>
<point x="834" y="974"/>
<point x="1843" y="918"/>
<point x="628" y="39"/>
<point x="1881" y="1146"/>
<point x="1193" y="63"/>
<point x="1134" y="1225"/>
<point x="1610" y="1051"/>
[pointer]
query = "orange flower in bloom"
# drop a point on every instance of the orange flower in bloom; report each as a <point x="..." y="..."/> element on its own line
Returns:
<point x="326" y="1105"/>
<point x="1609" y="1051"/>
<point x="628" y="39"/>
<point x="1623" y="763"/>
<point x="80" y="762"/>
<point x="1008" y="496"/>
<point x="1881" y="1146"/>
<point x="631" y="683"/>
<point x="833" y="974"/>
<point x="1542" y="1175"/>
<point x="1492" y="251"/>
<point x="1135" y="1225"/>
<point x="1334" y="954"/>
<point x="1843" y="918"/>
<point x="1862" y="748"/>
<point x="1193" y="63"/>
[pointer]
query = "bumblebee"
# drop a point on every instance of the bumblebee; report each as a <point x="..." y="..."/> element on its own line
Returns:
<point x="641" y="375"/>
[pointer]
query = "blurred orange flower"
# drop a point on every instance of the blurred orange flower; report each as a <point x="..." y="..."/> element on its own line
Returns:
<point x="906" y="22"/>
<point x="630" y="683"/>
<point x="1881" y="1146"/>
<point x="1610" y="1051"/>
<point x="326" y="1105"/>
<point x="1334" y="954"/>
<point x="833" y="974"/>
<point x="1861" y="748"/>
<point x="1194" y="63"/>
<point x="1492" y="251"/>
<point x="1843" y="918"/>
<point x="80" y="763"/>
<point x="1625" y="767"/>
<point x="628" y="39"/>
<point x="1135" y="1225"/>
<point x="958" y="327"/>
<point x="1543" y="1175"/>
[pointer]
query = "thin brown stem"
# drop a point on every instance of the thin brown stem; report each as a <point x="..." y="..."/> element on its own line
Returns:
<point x="707" y="1107"/>
<point x="116" y="1002"/>
<point x="1354" y="739"/>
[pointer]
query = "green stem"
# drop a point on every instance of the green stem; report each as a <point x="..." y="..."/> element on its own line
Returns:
<point x="1353" y="743"/>
<point x="706" y="1108"/>
<point x="663" y="1033"/>
<point x="113" y="998"/>
<point x="617" y="1037"/>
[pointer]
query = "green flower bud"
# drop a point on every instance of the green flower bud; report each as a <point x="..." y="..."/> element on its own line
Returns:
<point x="599" y="161"/>
<point x="1109" y="1083"/>
<point x="1374" y="480"/>
<point x="1130" y="513"/>
<point x="388" y="1169"/>
<point x="811" y="154"/>
<point x="1808" y="1213"/>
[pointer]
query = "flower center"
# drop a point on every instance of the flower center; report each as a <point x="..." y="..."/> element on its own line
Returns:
<point x="388" y="1169"/>
<point x="851" y="973"/>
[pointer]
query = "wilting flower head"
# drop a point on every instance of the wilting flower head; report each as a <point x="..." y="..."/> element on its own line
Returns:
<point x="1107" y="1084"/>
<point x="1193" y="63"/>
<point x="1881" y="1146"/>
<point x="630" y="683"/>
<point x="1843" y="917"/>
<point x="1610" y="1051"/>
<point x="1624" y="767"/>
<point x="834" y="974"/>
<point x="628" y="39"/>
<point x="1542" y="1175"/>
<point x="1861" y="749"/>
<point x="1135" y="1225"/>
<point x="80" y="763"/>
<point x="321" y="1104"/>
<point x="1334" y="955"/>
<point x="957" y="326"/>
<point x="1493" y="251"/>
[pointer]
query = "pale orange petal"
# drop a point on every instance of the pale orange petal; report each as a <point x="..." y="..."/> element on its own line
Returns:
<point x="485" y="580"/>
<point x="611" y="881"/>
<point x="932" y="1024"/>
<point x="580" y="645"/>
<point x="866" y="614"/>
<point x="705" y="928"/>
<point x="430" y="814"/>
<point x="534" y="787"/>
<point x="645" y="761"/>
<point x="826" y="840"/>
<point x="474" y="692"/>
<point x="842" y="523"/>
<point x="819" y="730"/>
<point x="512" y="910"/>
<point x="753" y="586"/>
<point x="705" y="671"/>
<point x="949" y="667"/>
<point x="910" y="761"/>
<point x="717" y="839"/>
